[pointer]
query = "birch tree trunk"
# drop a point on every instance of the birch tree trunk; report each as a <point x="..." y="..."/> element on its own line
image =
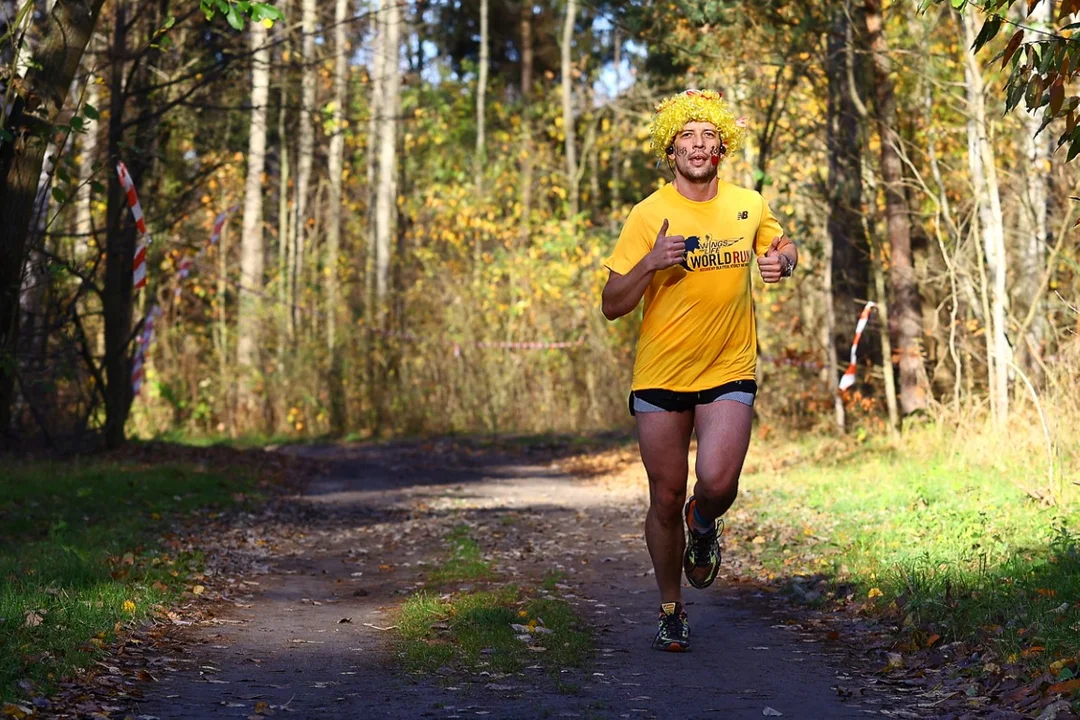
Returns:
<point x="914" y="384"/>
<point x="526" y="120"/>
<point x="991" y="224"/>
<point x="335" y="168"/>
<point x="336" y="165"/>
<point x="386" y="195"/>
<point x="1035" y="231"/>
<point x="284" y="235"/>
<point x="568" y="105"/>
<point x="251" y="241"/>
<point x="84" y="223"/>
<point x="304" y="151"/>
<point x="479" y="152"/>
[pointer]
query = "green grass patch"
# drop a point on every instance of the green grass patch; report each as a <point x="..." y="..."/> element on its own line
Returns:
<point x="474" y="631"/>
<point x="465" y="561"/>
<point x="501" y="629"/>
<point x="944" y="540"/>
<point x="81" y="551"/>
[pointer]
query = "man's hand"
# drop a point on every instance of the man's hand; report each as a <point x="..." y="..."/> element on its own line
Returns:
<point x="668" y="250"/>
<point x="774" y="265"/>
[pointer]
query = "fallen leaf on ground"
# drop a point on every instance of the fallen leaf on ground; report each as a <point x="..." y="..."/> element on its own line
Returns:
<point x="768" y="711"/>
<point x="19" y="712"/>
<point x="1068" y="686"/>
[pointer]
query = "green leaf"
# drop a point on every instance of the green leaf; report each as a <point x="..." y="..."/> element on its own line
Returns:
<point x="91" y="112"/>
<point x="96" y="186"/>
<point x="989" y="30"/>
<point x="234" y="18"/>
<point x="265" y="11"/>
<point x="1074" y="149"/>
<point x="59" y="195"/>
<point x="6" y="136"/>
<point x="959" y="4"/>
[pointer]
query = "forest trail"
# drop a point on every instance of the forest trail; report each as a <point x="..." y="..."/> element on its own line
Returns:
<point x="309" y="637"/>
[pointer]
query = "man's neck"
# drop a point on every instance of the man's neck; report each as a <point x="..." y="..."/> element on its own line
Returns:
<point x="696" y="191"/>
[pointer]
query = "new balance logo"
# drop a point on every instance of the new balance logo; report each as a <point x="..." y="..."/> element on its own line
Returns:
<point x="745" y="214"/>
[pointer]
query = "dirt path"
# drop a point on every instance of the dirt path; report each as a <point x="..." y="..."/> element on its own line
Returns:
<point x="305" y="637"/>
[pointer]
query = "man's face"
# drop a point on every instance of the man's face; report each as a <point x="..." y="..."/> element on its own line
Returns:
<point x="694" y="146"/>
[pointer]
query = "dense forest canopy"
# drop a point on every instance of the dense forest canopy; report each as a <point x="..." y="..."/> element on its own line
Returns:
<point x="372" y="218"/>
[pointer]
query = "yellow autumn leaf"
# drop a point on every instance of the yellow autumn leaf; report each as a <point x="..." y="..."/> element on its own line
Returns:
<point x="198" y="589"/>
<point x="874" y="593"/>
<point x="129" y="606"/>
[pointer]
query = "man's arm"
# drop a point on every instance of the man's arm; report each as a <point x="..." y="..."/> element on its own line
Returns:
<point x="622" y="293"/>
<point x="779" y="260"/>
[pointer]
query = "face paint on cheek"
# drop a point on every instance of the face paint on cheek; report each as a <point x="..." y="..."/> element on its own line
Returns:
<point x="715" y="157"/>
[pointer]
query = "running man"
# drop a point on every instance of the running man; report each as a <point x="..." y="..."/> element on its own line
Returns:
<point x="687" y="249"/>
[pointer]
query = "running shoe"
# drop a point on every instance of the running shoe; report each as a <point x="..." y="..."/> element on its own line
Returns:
<point x="673" y="630"/>
<point x="701" y="561"/>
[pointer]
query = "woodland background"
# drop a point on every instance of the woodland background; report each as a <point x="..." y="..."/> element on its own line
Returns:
<point x="425" y="189"/>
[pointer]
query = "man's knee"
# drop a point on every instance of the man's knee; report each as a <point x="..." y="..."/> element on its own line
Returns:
<point x="667" y="504"/>
<point x="717" y="483"/>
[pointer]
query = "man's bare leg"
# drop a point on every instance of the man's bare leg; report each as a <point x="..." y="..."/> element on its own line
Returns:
<point x="723" y="434"/>
<point x="664" y="439"/>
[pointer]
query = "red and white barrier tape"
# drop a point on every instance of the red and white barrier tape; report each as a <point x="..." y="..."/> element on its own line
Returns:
<point x="848" y="378"/>
<point x="183" y="269"/>
<point x="146" y="336"/>
<point x="536" y="345"/>
<point x="139" y="268"/>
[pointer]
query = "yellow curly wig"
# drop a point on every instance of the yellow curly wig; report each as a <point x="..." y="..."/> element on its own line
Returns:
<point x="694" y="105"/>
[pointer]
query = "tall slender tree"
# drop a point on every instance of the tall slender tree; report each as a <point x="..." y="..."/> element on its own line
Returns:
<point x="386" y="148"/>
<point x="252" y="250"/>
<point x="304" y="153"/>
<point x="983" y="163"/>
<point x="905" y="309"/>
<point x="56" y="59"/>
<point x="567" y="68"/>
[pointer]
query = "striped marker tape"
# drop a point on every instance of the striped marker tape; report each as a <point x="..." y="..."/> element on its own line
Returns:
<point x="139" y="268"/>
<point x="848" y="378"/>
<point x="138" y="370"/>
<point x="183" y="270"/>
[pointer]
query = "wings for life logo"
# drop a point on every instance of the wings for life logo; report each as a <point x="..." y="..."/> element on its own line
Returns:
<point x="709" y="254"/>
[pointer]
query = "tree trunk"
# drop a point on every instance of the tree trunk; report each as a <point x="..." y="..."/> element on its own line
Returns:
<point x="305" y="150"/>
<point x="336" y="164"/>
<point x="850" y="255"/>
<point x="914" y="385"/>
<point x="251" y="242"/>
<point x="284" y="230"/>
<point x="481" y="96"/>
<point x="56" y="61"/>
<point x="119" y="258"/>
<point x="567" y="70"/>
<point x="84" y="222"/>
<point x="479" y="152"/>
<point x="1034" y="229"/>
<point x="988" y="200"/>
<point x="335" y="168"/>
<point x="375" y="103"/>
<point x="386" y="195"/>
<point x="616" y="158"/>
<point x="526" y="120"/>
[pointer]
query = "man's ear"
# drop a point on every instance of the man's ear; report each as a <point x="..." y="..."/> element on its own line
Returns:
<point x="670" y="150"/>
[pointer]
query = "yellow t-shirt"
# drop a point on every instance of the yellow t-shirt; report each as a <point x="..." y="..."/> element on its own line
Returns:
<point x="698" y="330"/>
